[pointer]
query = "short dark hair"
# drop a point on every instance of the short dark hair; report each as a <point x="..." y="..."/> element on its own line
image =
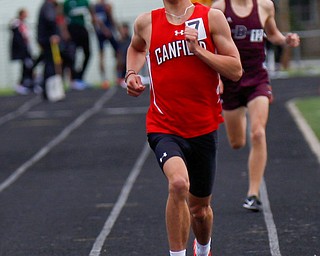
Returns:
<point x="21" y="11"/>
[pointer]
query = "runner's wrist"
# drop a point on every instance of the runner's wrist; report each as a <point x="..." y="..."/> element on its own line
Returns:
<point x="129" y="73"/>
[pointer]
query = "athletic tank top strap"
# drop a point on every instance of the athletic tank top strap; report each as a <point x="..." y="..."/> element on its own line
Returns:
<point x="227" y="7"/>
<point x="255" y="12"/>
<point x="232" y="17"/>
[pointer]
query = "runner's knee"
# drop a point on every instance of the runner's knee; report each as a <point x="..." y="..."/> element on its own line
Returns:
<point x="179" y="186"/>
<point x="258" y="135"/>
<point x="200" y="212"/>
<point x="237" y="143"/>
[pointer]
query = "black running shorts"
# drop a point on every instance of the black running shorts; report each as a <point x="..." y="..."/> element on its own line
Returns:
<point x="199" y="155"/>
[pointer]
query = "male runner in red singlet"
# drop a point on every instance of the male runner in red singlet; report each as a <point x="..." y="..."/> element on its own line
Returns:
<point x="249" y="20"/>
<point x="187" y="45"/>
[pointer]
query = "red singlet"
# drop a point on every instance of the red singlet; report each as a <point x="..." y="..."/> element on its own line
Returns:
<point x="183" y="98"/>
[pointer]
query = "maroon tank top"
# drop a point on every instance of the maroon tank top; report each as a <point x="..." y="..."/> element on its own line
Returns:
<point x="248" y="35"/>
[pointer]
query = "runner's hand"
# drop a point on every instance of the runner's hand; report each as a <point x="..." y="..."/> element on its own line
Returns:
<point x="134" y="85"/>
<point x="191" y="35"/>
<point x="292" y="39"/>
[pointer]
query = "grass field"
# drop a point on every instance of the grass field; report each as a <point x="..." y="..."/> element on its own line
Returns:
<point x="6" y="92"/>
<point x="310" y="109"/>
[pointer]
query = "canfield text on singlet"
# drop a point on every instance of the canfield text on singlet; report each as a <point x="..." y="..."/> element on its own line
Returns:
<point x="173" y="50"/>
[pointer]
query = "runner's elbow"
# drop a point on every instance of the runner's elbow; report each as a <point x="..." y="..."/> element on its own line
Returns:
<point x="237" y="74"/>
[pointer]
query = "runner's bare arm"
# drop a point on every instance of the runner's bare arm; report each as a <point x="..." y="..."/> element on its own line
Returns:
<point x="273" y="33"/>
<point x="227" y="60"/>
<point x="137" y="53"/>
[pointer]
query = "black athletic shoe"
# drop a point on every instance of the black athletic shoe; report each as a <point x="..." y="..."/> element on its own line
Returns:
<point x="252" y="203"/>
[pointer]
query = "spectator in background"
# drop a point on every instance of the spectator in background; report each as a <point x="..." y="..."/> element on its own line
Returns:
<point x="20" y="50"/>
<point x="47" y="34"/>
<point x="124" y="42"/>
<point x="67" y="47"/>
<point x="105" y="27"/>
<point x="75" y="12"/>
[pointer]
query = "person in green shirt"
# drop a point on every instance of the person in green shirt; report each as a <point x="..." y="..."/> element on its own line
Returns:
<point x="75" y="12"/>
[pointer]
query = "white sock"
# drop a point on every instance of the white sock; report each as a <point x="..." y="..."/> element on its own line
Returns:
<point x="203" y="250"/>
<point x="179" y="253"/>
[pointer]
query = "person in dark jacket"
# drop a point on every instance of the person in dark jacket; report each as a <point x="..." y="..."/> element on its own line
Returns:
<point x="106" y="30"/>
<point x="47" y="34"/>
<point x="76" y="12"/>
<point x="124" y="42"/>
<point x="20" y="50"/>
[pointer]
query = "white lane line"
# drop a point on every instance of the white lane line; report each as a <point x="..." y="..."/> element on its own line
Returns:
<point x="267" y="213"/>
<point x="122" y="199"/>
<point x="58" y="139"/>
<point x="314" y="144"/>
<point x="268" y="218"/>
<point x="305" y="129"/>
<point x="21" y="110"/>
<point x="41" y="114"/>
<point x="125" y="111"/>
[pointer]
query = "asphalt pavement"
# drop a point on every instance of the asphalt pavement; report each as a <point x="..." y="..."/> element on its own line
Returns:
<point x="77" y="178"/>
